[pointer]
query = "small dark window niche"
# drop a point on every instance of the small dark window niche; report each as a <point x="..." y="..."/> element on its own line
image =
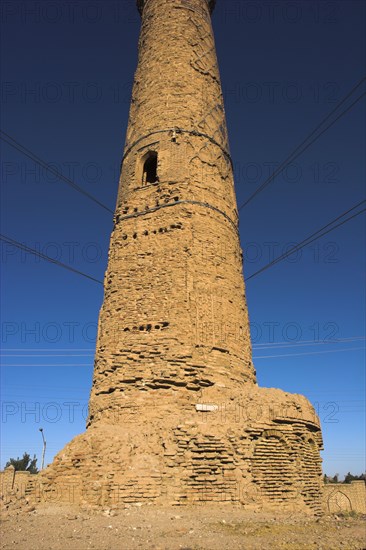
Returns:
<point x="150" y="168"/>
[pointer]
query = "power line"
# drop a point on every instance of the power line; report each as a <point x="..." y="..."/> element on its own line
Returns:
<point x="298" y="149"/>
<point x="254" y="357"/>
<point x="26" y="152"/>
<point x="44" y="257"/>
<point x="49" y="355"/>
<point x="256" y="347"/>
<point x="317" y="235"/>
<point x="277" y="344"/>
<point x="287" y="345"/>
<point x="52" y="365"/>
<point x="266" y="344"/>
<point x="306" y="353"/>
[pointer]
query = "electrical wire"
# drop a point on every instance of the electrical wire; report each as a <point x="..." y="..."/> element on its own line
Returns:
<point x="308" y="240"/>
<point x="288" y="343"/>
<point x="298" y="149"/>
<point x="26" y="152"/>
<point x="44" y="257"/>
<point x="306" y="353"/>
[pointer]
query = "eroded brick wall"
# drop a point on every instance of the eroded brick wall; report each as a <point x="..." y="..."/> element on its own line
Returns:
<point x="16" y="487"/>
<point x="345" y="497"/>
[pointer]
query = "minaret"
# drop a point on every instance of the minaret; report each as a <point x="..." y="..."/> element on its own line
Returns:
<point x="174" y="322"/>
<point x="175" y="413"/>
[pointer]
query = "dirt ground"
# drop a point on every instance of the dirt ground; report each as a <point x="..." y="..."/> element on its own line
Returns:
<point x="177" y="528"/>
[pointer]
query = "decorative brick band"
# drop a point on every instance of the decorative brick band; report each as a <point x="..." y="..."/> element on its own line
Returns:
<point x="197" y="203"/>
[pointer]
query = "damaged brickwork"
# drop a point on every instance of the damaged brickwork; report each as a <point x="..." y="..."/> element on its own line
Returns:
<point x="175" y="413"/>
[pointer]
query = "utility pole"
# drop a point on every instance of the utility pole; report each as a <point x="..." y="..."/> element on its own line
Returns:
<point x="44" y="447"/>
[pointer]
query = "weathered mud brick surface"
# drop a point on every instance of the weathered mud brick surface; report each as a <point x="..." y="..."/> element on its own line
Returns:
<point x="175" y="414"/>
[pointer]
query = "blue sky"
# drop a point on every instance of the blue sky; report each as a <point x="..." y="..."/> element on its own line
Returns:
<point x="67" y="75"/>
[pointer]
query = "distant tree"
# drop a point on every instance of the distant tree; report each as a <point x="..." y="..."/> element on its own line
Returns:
<point x="25" y="464"/>
<point x="350" y="477"/>
<point x="330" y="479"/>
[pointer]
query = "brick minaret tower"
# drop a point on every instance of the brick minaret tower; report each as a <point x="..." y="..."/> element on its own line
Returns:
<point x="175" y="413"/>
<point x="174" y="322"/>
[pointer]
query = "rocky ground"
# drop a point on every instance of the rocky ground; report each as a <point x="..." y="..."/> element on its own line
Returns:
<point x="184" y="528"/>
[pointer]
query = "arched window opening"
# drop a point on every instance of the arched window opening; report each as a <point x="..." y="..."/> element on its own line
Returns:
<point x="149" y="172"/>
